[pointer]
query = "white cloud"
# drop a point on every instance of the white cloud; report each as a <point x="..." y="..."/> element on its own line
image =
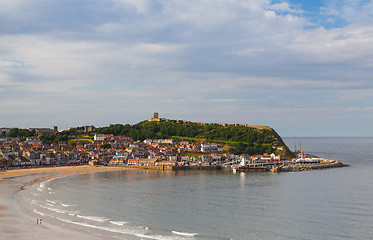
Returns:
<point x="4" y="79"/>
<point x="193" y="55"/>
<point x="351" y="45"/>
<point x="285" y="8"/>
<point x="141" y="6"/>
<point x="6" y="63"/>
<point x="9" y="7"/>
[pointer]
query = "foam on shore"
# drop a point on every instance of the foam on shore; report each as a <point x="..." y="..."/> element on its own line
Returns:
<point x="59" y="219"/>
<point x="18" y="216"/>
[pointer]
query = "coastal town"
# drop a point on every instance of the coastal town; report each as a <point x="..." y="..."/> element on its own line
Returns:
<point x="117" y="150"/>
<point x="92" y="148"/>
<point x="110" y="150"/>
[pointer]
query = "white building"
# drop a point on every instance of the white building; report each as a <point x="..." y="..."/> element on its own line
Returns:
<point x="164" y="141"/>
<point x="99" y="137"/>
<point x="243" y="161"/>
<point x="209" y="147"/>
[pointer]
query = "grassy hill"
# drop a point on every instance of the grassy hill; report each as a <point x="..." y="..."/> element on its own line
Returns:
<point x="234" y="138"/>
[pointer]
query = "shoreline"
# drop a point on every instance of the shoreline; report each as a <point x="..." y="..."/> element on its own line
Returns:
<point x="18" y="221"/>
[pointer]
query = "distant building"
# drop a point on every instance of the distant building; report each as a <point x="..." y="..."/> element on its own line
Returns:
<point x="155" y="118"/>
<point x="42" y="131"/>
<point x="55" y="129"/>
<point x="143" y="161"/>
<point x="148" y="141"/>
<point x="243" y="161"/>
<point x="209" y="147"/>
<point x="4" y="131"/>
<point x="89" y="128"/>
<point x="33" y="141"/>
<point x="164" y="141"/>
<point x="99" y="137"/>
<point x="92" y="162"/>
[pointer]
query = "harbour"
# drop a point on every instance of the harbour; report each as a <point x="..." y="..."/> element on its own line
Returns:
<point x="138" y="203"/>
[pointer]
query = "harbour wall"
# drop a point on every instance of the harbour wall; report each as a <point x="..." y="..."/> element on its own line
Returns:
<point x="324" y="164"/>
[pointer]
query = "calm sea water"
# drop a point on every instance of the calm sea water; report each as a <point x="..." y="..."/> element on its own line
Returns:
<point x="326" y="204"/>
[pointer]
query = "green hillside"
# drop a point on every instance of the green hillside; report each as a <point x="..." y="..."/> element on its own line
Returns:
<point x="236" y="139"/>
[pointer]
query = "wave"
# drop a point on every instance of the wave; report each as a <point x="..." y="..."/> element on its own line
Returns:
<point x="125" y="229"/>
<point x="42" y="184"/>
<point x="40" y="213"/>
<point x="109" y="229"/>
<point x="93" y="218"/>
<point x="185" y="234"/>
<point x="67" y="205"/>
<point x="118" y="223"/>
<point x="50" y="201"/>
<point x="139" y="233"/>
<point x="51" y="208"/>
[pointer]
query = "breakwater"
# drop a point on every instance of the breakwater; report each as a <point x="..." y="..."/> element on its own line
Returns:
<point x="285" y="166"/>
<point x="298" y="167"/>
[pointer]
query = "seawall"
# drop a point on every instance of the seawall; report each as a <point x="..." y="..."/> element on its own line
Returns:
<point x="298" y="167"/>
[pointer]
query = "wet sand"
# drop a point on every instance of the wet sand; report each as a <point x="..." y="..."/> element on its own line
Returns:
<point x="18" y="222"/>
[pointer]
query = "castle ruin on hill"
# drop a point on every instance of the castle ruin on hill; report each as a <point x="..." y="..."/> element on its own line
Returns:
<point x="156" y="118"/>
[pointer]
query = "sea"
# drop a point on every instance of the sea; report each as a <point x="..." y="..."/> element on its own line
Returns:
<point x="203" y="205"/>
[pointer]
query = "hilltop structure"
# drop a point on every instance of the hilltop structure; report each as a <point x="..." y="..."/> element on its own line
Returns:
<point x="156" y="118"/>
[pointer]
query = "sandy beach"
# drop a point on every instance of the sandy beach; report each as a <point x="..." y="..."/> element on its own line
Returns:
<point x="18" y="222"/>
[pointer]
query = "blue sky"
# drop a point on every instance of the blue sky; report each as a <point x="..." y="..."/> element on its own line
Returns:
<point x="302" y="67"/>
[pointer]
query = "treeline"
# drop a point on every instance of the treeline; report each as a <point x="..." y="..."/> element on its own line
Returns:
<point x="230" y="133"/>
<point x="46" y="138"/>
<point x="54" y="138"/>
<point x="20" y="133"/>
<point x="251" y="148"/>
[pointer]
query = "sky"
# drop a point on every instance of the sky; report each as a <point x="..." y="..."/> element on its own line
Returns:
<point x="303" y="67"/>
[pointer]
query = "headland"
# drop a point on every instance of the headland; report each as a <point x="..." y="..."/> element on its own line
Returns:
<point x="157" y="143"/>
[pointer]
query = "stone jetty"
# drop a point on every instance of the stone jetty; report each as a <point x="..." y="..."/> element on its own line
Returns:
<point x="298" y="167"/>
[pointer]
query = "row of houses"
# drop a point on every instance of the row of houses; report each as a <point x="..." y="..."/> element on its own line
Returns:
<point x="115" y="150"/>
